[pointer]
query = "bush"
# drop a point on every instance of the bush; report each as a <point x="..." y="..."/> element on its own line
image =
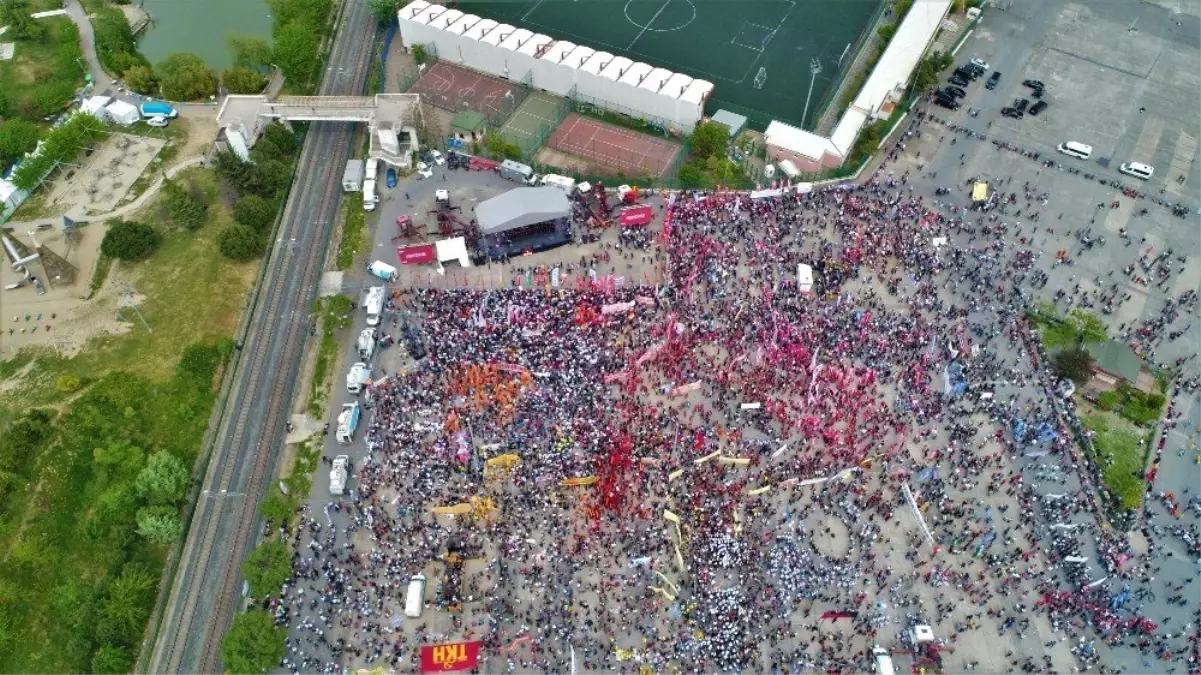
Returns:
<point x="164" y="480"/>
<point x="267" y="568"/>
<point x="129" y="240"/>
<point x="17" y="137"/>
<point x="1108" y="400"/>
<point x="185" y="77"/>
<point x="199" y="364"/>
<point x="420" y="55"/>
<point x="67" y="384"/>
<point x="60" y="145"/>
<point x="254" y="644"/>
<point x="183" y="209"/>
<point x="296" y="51"/>
<point x="255" y="212"/>
<point x="240" y="243"/>
<point x="116" y="46"/>
<point x="141" y="79"/>
<point x="242" y="80"/>
<point x="159" y="524"/>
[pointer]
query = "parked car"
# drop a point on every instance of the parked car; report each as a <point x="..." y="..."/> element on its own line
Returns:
<point x="965" y="73"/>
<point x="958" y="81"/>
<point x="948" y="102"/>
<point x="972" y="70"/>
<point x="1037" y="93"/>
<point x="390" y="177"/>
<point x="1021" y="105"/>
<point x="437" y="157"/>
<point x="424" y="170"/>
<point x="1038" y="107"/>
<point x="955" y="91"/>
<point x="993" y="80"/>
<point x="980" y="63"/>
<point x="1012" y="112"/>
<point x="1033" y="84"/>
<point x="157" y="121"/>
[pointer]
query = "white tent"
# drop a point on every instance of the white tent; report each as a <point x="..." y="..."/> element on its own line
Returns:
<point x="123" y="113"/>
<point x="449" y="250"/>
<point x="95" y="106"/>
<point x="804" y="277"/>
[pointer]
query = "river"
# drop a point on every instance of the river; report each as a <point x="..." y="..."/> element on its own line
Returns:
<point x="201" y="27"/>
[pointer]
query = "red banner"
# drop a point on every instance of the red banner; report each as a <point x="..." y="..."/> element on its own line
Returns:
<point x="415" y="255"/>
<point x="635" y="216"/>
<point x="450" y="657"/>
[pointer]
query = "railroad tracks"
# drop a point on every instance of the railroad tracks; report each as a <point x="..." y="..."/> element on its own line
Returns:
<point x="205" y="589"/>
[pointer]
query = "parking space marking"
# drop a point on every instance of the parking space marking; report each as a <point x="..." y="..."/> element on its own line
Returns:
<point x="1148" y="140"/>
<point x="1182" y="162"/>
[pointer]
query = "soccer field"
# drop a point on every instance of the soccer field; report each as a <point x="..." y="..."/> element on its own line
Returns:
<point x="757" y="53"/>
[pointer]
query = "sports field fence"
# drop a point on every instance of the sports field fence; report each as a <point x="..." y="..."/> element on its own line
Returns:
<point x="408" y="75"/>
<point x="619" y="115"/>
<point x="532" y="140"/>
<point x="847" y="63"/>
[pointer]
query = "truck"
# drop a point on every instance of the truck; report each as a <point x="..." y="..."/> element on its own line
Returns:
<point x="562" y="182"/>
<point x="358" y="378"/>
<point x="352" y="176"/>
<point x="517" y="172"/>
<point x="372" y="169"/>
<point x="338" y="475"/>
<point x="369" y="197"/>
<point x="788" y="169"/>
<point x="373" y="304"/>
<point x="365" y="345"/>
<point x="348" y="422"/>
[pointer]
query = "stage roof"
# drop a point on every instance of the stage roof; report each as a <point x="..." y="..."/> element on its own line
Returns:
<point x="521" y="207"/>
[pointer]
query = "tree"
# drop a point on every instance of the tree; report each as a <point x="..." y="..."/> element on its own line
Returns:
<point x="240" y="243"/>
<point x="279" y="136"/>
<point x="249" y="52"/>
<point x="267" y="568"/>
<point x="128" y="602"/>
<point x="420" y="54"/>
<point x="67" y="384"/>
<point x="112" y="660"/>
<point x="164" y="480"/>
<point x="141" y="79"/>
<point x="275" y="509"/>
<point x="709" y="139"/>
<point x="118" y="460"/>
<point x="159" y="524"/>
<point x="383" y="10"/>
<point x="1074" y="364"/>
<point x="21" y="26"/>
<point x="266" y="178"/>
<point x="185" y="77"/>
<point x="255" y="212"/>
<point x="253" y="644"/>
<point x="129" y="240"/>
<point x="242" y="80"/>
<point x="1089" y="327"/>
<point x="296" y="52"/>
<point x="17" y="137"/>
<point x="183" y="210"/>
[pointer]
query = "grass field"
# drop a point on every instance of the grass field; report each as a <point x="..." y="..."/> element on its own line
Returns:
<point x="756" y="52"/>
<point x="42" y="76"/>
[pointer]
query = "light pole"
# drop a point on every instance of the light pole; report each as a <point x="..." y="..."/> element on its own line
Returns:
<point x="815" y="68"/>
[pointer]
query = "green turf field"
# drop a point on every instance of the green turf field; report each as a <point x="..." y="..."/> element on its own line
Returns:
<point x="757" y="53"/>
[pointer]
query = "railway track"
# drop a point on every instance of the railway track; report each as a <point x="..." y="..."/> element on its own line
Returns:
<point x="205" y="591"/>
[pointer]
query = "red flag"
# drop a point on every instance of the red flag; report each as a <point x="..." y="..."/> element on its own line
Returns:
<point x="450" y="657"/>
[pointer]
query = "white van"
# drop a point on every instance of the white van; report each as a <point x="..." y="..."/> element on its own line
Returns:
<point x="1077" y="150"/>
<point x="415" y="600"/>
<point x="1137" y="169"/>
<point x="883" y="661"/>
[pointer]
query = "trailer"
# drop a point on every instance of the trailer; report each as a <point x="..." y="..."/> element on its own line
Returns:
<point x="348" y="423"/>
<point x="370" y="199"/>
<point x="352" y="176"/>
<point x="365" y="345"/>
<point x="564" y="183"/>
<point x="358" y="378"/>
<point x="339" y="474"/>
<point x="373" y="304"/>
<point x="517" y="172"/>
<point x="371" y="169"/>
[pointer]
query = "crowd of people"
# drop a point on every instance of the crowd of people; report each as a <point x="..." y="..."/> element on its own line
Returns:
<point x="725" y="471"/>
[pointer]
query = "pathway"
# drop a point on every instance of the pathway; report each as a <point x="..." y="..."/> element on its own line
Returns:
<point x="118" y="212"/>
<point x="87" y="42"/>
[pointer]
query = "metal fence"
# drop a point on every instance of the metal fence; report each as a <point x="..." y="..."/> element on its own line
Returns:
<point x="408" y="74"/>
<point x="532" y="140"/>
<point x="848" y="62"/>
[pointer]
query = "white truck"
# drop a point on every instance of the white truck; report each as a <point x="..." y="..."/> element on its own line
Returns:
<point x="564" y="183"/>
<point x="339" y="474"/>
<point x="371" y="169"/>
<point x="369" y="197"/>
<point x="358" y="378"/>
<point x="373" y="304"/>
<point x="365" y="345"/>
<point x="517" y="172"/>
<point x="352" y="177"/>
<point x="348" y="422"/>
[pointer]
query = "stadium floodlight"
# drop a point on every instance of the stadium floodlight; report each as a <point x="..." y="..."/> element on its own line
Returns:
<point x="815" y="69"/>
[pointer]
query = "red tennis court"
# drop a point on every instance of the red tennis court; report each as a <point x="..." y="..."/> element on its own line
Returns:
<point x="453" y="88"/>
<point x="617" y="148"/>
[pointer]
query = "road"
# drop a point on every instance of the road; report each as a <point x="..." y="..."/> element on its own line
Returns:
<point x="206" y="590"/>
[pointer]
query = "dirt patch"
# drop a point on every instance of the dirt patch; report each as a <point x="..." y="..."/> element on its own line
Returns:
<point x="200" y="125"/>
<point x="106" y="177"/>
<point x="571" y="164"/>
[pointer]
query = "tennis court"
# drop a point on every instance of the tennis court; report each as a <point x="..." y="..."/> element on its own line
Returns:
<point x="756" y="52"/>
<point x="619" y="149"/>
<point x="534" y="120"/>
<point x="453" y="88"/>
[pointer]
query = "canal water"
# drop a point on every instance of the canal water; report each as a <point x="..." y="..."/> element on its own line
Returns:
<point x="201" y="27"/>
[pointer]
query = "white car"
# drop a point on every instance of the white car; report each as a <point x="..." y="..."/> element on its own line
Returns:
<point x="438" y="158"/>
<point x="980" y="62"/>
<point x="424" y="170"/>
<point x="157" y="121"/>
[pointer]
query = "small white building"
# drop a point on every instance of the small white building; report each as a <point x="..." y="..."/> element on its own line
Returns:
<point x="95" y="105"/>
<point x="123" y="113"/>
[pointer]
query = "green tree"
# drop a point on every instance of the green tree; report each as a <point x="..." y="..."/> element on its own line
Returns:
<point x="1089" y="327"/>
<point x="21" y="26"/>
<point x="182" y="209"/>
<point x="255" y="212"/>
<point x="309" y="14"/>
<point x="275" y="509"/>
<point x="240" y="243"/>
<point x="118" y="461"/>
<point x="709" y="139"/>
<point x="67" y="384"/>
<point x="296" y="52"/>
<point x="420" y="54"/>
<point x="17" y="137"/>
<point x="279" y="136"/>
<point x="1075" y="364"/>
<point x="383" y="10"/>
<point x="242" y="80"/>
<point x="185" y="77"/>
<point x="253" y="644"/>
<point x="164" y="480"/>
<point x="249" y="52"/>
<point x="112" y="660"/>
<point x="141" y="79"/>
<point x="266" y="179"/>
<point x="267" y="568"/>
<point x="129" y="240"/>
<point x="127" y="604"/>
<point x="159" y="524"/>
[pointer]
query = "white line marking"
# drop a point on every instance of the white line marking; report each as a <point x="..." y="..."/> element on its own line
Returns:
<point x="791" y="6"/>
<point x="536" y="6"/>
<point x="648" y="24"/>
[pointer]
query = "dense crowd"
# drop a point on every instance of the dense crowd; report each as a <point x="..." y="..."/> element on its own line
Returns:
<point x="833" y="487"/>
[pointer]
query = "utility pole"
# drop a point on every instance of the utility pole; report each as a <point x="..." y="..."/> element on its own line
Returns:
<point x="815" y="68"/>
